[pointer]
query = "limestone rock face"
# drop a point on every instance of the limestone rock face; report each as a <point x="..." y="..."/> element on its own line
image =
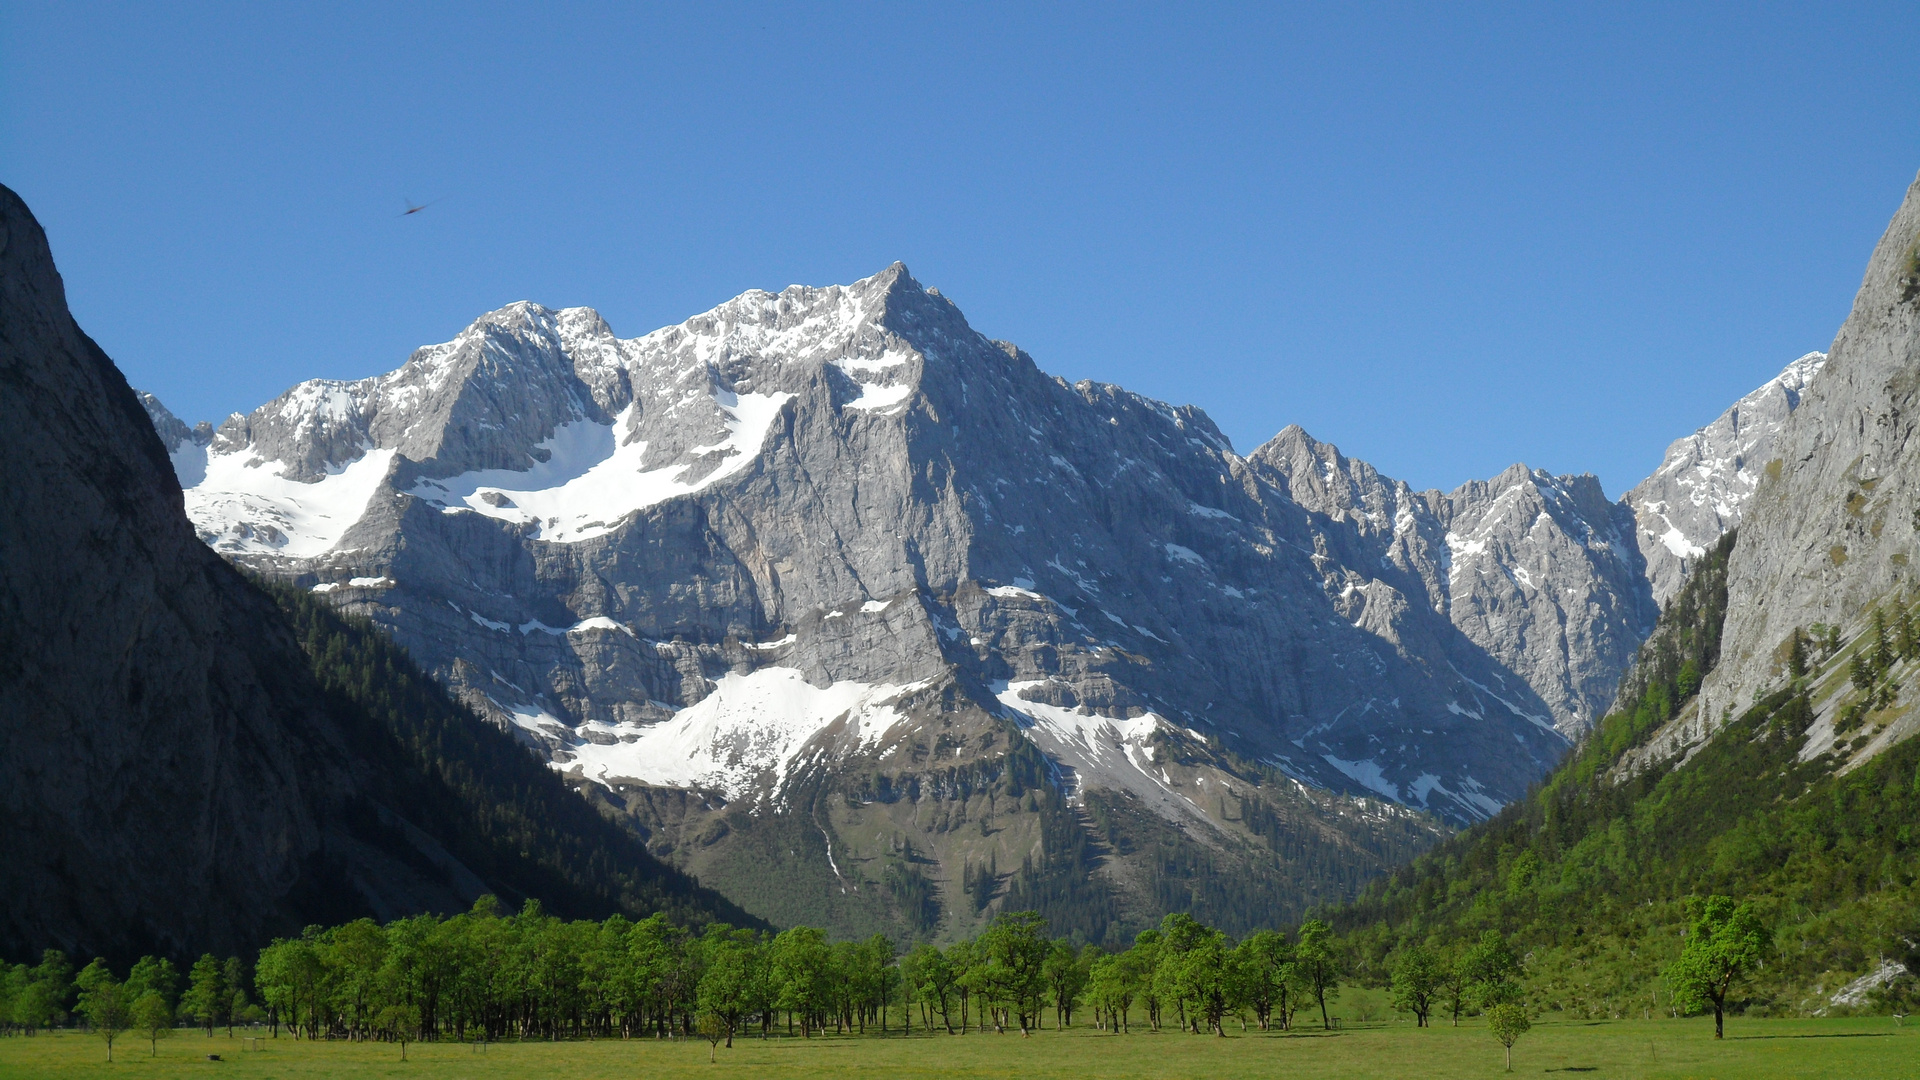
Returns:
<point x="828" y="534"/>
<point x="1831" y="530"/>
<point x="845" y="498"/>
<point x="1697" y="494"/>
<point x="812" y="542"/>
<point x="1537" y="572"/>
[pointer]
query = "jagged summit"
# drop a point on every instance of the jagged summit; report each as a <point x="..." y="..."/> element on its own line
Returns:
<point x="868" y="442"/>
<point x="532" y="398"/>
<point x="1537" y="570"/>
<point x="830" y="533"/>
<point x="1707" y="478"/>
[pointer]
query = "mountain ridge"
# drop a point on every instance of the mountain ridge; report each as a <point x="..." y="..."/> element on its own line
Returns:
<point x="1763" y="745"/>
<point x="1706" y="479"/>
<point x="835" y="529"/>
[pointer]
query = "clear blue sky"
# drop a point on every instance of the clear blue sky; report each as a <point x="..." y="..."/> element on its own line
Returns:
<point x="1445" y="238"/>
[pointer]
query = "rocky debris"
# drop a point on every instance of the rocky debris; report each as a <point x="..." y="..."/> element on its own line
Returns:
<point x="1859" y="993"/>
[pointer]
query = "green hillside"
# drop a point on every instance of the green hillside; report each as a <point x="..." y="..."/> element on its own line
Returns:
<point x="1590" y="873"/>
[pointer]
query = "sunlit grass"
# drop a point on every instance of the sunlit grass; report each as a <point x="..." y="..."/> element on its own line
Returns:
<point x="1845" y="1049"/>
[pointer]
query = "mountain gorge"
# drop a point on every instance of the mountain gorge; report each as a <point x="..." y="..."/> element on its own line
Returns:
<point x="869" y="622"/>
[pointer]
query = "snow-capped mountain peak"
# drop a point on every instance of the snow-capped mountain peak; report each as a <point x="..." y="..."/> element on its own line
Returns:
<point x="824" y="533"/>
<point x="545" y="418"/>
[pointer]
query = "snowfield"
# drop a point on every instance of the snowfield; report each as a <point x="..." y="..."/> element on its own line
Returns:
<point x="593" y="479"/>
<point x="752" y="727"/>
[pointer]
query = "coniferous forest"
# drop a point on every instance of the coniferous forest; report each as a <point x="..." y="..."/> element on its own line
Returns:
<point x="510" y="819"/>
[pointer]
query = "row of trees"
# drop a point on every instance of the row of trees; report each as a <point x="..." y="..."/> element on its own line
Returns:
<point x="151" y="1000"/>
<point x="485" y="975"/>
<point x="1725" y="943"/>
<point x="482" y="976"/>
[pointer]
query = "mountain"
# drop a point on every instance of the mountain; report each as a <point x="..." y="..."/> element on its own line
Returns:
<point x="1762" y="744"/>
<point x="1538" y="572"/>
<point x="1706" y="479"/>
<point x="177" y="773"/>
<point x="1832" y="529"/>
<point x="807" y="583"/>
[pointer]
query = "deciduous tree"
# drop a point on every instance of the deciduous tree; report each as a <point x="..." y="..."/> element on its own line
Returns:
<point x="1725" y="943"/>
<point x="207" y="991"/>
<point x="103" y="1001"/>
<point x="1492" y="971"/>
<point x="1416" y="982"/>
<point x="1319" y="965"/>
<point x="153" y="1018"/>
<point x="1508" y="1021"/>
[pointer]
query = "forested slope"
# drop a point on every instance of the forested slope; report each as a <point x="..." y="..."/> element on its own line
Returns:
<point x="500" y="811"/>
<point x="1589" y="873"/>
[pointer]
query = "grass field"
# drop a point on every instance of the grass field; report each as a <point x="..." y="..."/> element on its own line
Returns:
<point x="1851" y="1049"/>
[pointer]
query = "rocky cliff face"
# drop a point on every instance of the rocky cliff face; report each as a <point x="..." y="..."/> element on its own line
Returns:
<point x="1697" y="494"/>
<point x="172" y="778"/>
<point x="161" y="786"/>
<point x="1535" y="571"/>
<point x="1831" y="531"/>
<point x="852" y="485"/>
<point x="812" y="551"/>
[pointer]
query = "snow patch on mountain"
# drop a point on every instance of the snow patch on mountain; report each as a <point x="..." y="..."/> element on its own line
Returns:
<point x="243" y="504"/>
<point x="592" y="479"/>
<point x="753" y="727"/>
<point x="1365" y="773"/>
<point x="1470" y="800"/>
<point x="1097" y="751"/>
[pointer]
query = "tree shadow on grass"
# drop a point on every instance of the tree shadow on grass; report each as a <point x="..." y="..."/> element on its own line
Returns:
<point x="1832" y="1035"/>
<point x="1312" y="1034"/>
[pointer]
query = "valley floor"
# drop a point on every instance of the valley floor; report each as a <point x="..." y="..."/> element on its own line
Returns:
<point x="1854" y="1049"/>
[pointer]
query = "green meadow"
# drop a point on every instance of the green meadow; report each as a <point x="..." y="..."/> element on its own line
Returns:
<point x="1846" y="1049"/>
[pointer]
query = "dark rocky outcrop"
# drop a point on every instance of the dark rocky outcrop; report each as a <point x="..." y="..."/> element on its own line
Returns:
<point x="172" y="776"/>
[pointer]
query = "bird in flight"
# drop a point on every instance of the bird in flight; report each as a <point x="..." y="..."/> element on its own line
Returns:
<point x="412" y="209"/>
